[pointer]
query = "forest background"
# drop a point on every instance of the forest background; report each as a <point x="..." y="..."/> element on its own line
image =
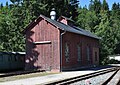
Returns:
<point x="96" y="18"/>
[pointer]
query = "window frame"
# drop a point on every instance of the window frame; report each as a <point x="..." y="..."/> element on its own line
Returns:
<point x="79" y="52"/>
<point x="88" y="53"/>
<point x="96" y="56"/>
<point x="67" y="52"/>
<point x="1" y="57"/>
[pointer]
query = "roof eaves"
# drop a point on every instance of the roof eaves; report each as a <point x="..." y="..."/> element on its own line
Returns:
<point x="50" y="21"/>
<point x="29" y="26"/>
<point x="68" y="28"/>
<point x="87" y="33"/>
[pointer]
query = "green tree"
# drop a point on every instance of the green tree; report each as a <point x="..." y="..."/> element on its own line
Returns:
<point x="87" y="19"/>
<point x="11" y="38"/>
<point x="95" y="6"/>
<point x="81" y="18"/>
<point x="106" y="24"/>
<point x="105" y="5"/>
<point x="115" y="16"/>
<point x="108" y="37"/>
<point x="91" y="21"/>
<point x="91" y="5"/>
<point x="21" y="12"/>
<point x="1" y="5"/>
<point x="115" y="6"/>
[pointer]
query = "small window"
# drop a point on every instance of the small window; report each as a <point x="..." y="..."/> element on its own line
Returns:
<point x="15" y="57"/>
<point x="21" y="58"/>
<point x="79" y="53"/>
<point x="96" y="56"/>
<point x="6" y="57"/>
<point x="67" y="53"/>
<point x="9" y="56"/>
<point x="88" y="53"/>
<point x="1" y="57"/>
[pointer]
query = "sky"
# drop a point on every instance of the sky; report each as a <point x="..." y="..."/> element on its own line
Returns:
<point x="86" y="2"/>
<point x="82" y="2"/>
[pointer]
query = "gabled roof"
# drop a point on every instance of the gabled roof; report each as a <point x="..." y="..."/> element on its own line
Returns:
<point x="68" y="28"/>
<point x="65" y="27"/>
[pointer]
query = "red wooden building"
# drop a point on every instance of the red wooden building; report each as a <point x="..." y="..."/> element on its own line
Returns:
<point x="59" y="45"/>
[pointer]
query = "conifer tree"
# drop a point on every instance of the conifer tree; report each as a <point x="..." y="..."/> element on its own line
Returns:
<point x="115" y="16"/>
<point x="97" y="6"/>
<point x="21" y="12"/>
<point x="1" y="5"/>
<point x="105" y="5"/>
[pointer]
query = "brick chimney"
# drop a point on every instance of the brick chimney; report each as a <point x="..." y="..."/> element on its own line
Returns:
<point x="65" y="20"/>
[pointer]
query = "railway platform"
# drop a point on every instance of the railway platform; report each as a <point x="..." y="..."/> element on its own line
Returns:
<point x="50" y="78"/>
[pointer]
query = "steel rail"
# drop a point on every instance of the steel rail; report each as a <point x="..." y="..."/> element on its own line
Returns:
<point x="82" y="77"/>
<point x="110" y="78"/>
<point x="118" y="83"/>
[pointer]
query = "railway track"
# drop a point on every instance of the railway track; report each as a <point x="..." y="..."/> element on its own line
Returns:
<point x="72" y="81"/>
<point x="15" y="73"/>
<point x="111" y="78"/>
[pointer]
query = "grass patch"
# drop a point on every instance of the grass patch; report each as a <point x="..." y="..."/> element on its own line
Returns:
<point x="24" y="76"/>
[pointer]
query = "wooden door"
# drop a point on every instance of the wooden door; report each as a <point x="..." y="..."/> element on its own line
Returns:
<point x="44" y="57"/>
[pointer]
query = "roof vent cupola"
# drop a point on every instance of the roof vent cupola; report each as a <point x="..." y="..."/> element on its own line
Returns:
<point x="53" y="14"/>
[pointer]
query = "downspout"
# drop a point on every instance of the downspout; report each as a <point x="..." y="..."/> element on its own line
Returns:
<point x="61" y="49"/>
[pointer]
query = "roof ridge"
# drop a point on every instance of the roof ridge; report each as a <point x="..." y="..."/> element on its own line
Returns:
<point x="68" y="28"/>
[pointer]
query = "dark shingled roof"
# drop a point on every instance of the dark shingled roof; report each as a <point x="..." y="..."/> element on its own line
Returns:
<point x="63" y="26"/>
<point x="68" y="28"/>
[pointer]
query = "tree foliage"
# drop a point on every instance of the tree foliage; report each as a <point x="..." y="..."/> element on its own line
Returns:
<point x="16" y="16"/>
<point x="97" y="18"/>
<point x="103" y="22"/>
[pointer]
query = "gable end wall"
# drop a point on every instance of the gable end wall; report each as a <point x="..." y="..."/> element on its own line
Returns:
<point x="43" y="56"/>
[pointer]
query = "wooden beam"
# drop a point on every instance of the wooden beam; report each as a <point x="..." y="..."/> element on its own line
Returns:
<point x="42" y="42"/>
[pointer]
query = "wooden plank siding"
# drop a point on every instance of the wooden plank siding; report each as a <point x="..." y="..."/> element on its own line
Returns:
<point x="47" y="56"/>
<point x="46" y="45"/>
